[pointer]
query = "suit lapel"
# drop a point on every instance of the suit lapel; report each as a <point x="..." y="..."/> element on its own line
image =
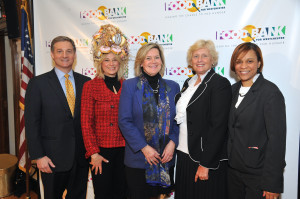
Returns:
<point x="139" y="93"/>
<point x="78" y="87"/>
<point x="235" y="95"/>
<point x="56" y="86"/>
<point x="201" y="89"/>
<point x="250" y="96"/>
<point x="184" y="87"/>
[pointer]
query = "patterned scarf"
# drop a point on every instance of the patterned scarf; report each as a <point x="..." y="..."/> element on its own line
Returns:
<point x="156" y="127"/>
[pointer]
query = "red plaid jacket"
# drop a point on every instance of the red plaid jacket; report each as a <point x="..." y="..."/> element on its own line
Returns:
<point x="99" y="117"/>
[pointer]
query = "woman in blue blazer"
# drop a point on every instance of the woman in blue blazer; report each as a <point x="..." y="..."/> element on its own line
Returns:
<point x="146" y="119"/>
<point x="257" y="129"/>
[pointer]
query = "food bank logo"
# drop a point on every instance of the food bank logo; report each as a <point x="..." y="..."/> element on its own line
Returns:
<point x="219" y="70"/>
<point x="145" y="37"/>
<point x="179" y="71"/>
<point x="104" y="13"/>
<point x="187" y="71"/>
<point x="79" y="42"/>
<point x="251" y="33"/>
<point x="89" y="71"/>
<point x="195" y="5"/>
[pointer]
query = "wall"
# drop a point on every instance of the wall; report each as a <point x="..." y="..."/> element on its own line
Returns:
<point x="273" y="25"/>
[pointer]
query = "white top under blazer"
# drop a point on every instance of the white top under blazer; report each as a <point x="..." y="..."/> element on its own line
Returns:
<point x="181" y="112"/>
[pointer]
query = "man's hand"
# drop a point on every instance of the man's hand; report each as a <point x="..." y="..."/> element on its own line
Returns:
<point x="44" y="164"/>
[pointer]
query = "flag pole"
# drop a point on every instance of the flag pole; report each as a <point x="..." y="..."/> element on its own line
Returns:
<point x="24" y="3"/>
<point x="27" y="160"/>
<point x="27" y="174"/>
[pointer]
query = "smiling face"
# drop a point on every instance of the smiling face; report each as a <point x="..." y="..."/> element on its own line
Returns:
<point x="201" y="61"/>
<point x="246" y="66"/>
<point x="110" y="65"/>
<point x="152" y="63"/>
<point x="63" y="56"/>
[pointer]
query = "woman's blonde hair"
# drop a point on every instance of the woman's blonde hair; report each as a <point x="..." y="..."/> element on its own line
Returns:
<point x="141" y="55"/>
<point x="121" y="71"/>
<point x="208" y="44"/>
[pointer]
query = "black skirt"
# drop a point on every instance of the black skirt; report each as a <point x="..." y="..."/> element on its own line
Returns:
<point x="186" y="187"/>
<point x="139" y="189"/>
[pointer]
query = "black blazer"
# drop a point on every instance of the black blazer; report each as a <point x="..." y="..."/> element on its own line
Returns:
<point x="207" y="119"/>
<point x="51" y="129"/>
<point x="257" y="133"/>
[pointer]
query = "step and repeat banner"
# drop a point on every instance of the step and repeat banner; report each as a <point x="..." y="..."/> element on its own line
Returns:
<point x="176" y="25"/>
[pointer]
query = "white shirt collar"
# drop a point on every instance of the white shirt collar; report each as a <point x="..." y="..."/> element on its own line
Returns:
<point x="195" y="77"/>
<point x="61" y="74"/>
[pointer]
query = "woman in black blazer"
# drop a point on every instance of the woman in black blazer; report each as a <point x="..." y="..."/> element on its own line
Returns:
<point x="257" y="129"/>
<point x="202" y="111"/>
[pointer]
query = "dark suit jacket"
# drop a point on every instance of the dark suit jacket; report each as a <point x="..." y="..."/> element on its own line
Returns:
<point x="207" y="119"/>
<point x="257" y="133"/>
<point x="50" y="128"/>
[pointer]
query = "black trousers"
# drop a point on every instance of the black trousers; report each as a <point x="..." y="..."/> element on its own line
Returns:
<point x="75" y="181"/>
<point x="111" y="184"/>
<point x="243" y="186"/>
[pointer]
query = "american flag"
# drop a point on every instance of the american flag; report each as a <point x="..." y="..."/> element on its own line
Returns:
<point x="26" y="75"/>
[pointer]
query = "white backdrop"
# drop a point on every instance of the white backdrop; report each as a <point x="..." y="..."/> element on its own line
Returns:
<point x="274" y="26"/>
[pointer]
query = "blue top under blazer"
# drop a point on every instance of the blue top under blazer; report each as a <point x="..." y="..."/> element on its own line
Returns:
<point x="131" y="120"/>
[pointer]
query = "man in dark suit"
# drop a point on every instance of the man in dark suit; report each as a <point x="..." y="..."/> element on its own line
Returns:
<point x="52" y="122"/>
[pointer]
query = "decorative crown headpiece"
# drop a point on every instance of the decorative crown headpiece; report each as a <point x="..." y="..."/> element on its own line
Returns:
<point x="109" y="39"/>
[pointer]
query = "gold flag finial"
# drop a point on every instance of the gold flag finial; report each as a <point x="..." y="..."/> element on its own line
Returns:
<point x="24" y="3"/>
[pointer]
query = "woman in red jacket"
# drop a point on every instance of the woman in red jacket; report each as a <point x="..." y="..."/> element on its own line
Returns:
<point x="103" y="140"/>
